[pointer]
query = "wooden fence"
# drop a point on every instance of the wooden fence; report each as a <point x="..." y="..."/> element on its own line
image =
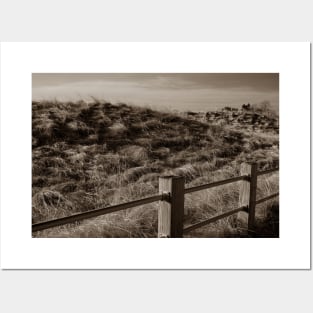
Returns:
<point x="171" y="203"/>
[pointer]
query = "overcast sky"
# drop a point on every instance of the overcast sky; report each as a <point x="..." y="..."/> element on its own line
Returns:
<point x="179" y="91"/>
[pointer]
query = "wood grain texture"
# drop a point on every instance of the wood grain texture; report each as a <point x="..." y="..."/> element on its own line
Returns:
<point x="215" y="184"/>
<point x="252" y="198"/>
<point x="171" y="213"/>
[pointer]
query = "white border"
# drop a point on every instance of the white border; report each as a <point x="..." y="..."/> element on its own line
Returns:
<point x="290" y="251"/>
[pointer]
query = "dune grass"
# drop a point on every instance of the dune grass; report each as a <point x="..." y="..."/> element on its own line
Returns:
<point x="91" y="155"/>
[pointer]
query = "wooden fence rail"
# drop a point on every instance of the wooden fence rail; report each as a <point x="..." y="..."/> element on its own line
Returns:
<point x="171" y="203"/>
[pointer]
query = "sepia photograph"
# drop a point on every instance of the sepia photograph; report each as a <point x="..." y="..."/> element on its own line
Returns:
<point x="155" y="156"/>
<point x="145" y="155"/>
<point x="174" y="156"/>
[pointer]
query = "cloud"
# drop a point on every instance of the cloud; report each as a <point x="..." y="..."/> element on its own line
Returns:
<point x="179" y="91"/>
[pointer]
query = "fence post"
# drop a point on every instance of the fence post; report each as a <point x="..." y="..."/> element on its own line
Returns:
<point x="247" y="193"/>
<point x="171" y="213"/>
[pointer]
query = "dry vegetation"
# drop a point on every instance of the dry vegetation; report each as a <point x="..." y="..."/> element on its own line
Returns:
<point x="88" y="156"/>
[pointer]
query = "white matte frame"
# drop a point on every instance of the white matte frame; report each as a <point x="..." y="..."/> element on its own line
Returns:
<point x="20" y="251"/>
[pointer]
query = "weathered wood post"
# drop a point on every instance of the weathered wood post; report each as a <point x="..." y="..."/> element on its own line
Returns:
<point x="171" y="212"/>
<point x="247" y="193"/>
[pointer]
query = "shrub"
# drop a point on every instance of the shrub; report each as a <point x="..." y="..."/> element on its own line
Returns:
<point x="117" y="129"/>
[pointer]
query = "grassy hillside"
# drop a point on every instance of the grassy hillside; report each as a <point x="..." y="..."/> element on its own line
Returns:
<point x="88" y="156"/>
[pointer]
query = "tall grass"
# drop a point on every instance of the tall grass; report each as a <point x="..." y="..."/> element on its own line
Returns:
<point x="88" y="156"/>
